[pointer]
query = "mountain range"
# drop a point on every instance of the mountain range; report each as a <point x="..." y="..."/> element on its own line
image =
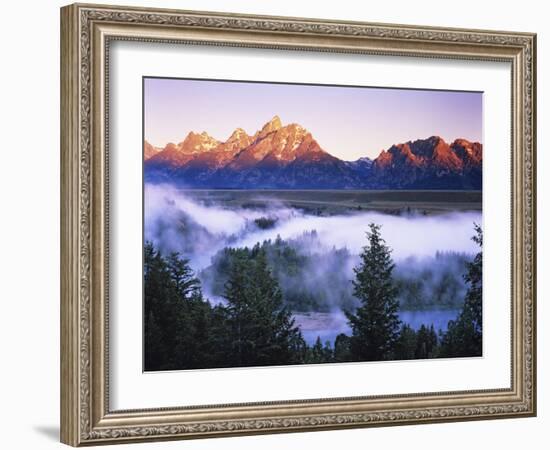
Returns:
<point x="288" y="157"/>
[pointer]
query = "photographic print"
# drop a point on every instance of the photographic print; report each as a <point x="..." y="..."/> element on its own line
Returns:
<point x="309" y="224"/>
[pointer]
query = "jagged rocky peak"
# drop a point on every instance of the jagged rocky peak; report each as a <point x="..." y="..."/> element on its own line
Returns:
<point x="238" y="140"/>
<point x="273" y="125"/>
<point x="462" y="142"/>
<point x="402" y="151"/>
<point x="237" y="135"/>
<point x="471" y="152"/>
<point x="170" y="147"/>
<point x="197" y="142"/>
<point x="295" y="131"/>
<point x="424" y="148"/>
<point x="287" y="143"/>
<point x="445" y="156"/>
<point x="149" y="150"/>
<point x="384" y="159"/>
<point x="288" y="156"/>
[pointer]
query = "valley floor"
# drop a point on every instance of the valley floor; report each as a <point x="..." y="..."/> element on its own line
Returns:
<point x="329" y="202"/>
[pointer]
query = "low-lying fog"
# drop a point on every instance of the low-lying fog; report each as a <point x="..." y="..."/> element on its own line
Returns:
<point x="166" y="211"/>
<point x="428" y="249"/>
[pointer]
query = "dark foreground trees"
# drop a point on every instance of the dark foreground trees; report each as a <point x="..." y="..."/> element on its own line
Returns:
<point x="260" y="329"/>
<point x="184" y="331"/>
<point x="377" y="333"/>
<point x="464" y="335"/>
<point x="254" y="327"/>
<point x="375" y="324"/>
<point x="177" y="319"/>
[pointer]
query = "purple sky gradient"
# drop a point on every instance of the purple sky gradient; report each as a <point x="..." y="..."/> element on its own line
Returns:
<point x="348" y="122"/>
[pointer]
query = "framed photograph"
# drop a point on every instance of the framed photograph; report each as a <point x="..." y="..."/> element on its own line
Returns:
<point x="276" y="224"/>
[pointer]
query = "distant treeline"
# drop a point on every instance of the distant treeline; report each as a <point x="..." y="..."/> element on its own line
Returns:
<point x="254" y="326"/>
<point x="314" y="278"/>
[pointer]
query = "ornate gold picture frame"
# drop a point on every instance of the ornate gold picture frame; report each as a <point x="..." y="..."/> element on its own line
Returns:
<point x="87" y="34"/>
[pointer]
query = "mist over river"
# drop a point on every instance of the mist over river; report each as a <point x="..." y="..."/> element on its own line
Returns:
<point x="429" y="250"/>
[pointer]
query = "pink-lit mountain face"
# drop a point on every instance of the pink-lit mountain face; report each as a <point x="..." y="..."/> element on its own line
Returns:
<point x="288" y="157"/>
<point x="149" y="151"/>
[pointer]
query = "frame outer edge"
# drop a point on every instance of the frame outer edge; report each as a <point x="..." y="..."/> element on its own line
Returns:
<point x="533" y="230"/>
<point x="79" y="392"/>
<point x="69" y="208"/>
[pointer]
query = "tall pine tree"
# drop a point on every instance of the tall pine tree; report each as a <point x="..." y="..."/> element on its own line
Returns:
<point x="261" y="329"/>
<point x="177" y="320"/>
<point x="375" y="324"/>
<point x="342" y="351"/>
<point x="464" y="335"/>
<point x="406" y="344"/>
<point x="183" y="277"/>
<point x="160" y="303"/>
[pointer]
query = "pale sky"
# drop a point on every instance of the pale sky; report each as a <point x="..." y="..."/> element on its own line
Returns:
<point x="348" y="122"/>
